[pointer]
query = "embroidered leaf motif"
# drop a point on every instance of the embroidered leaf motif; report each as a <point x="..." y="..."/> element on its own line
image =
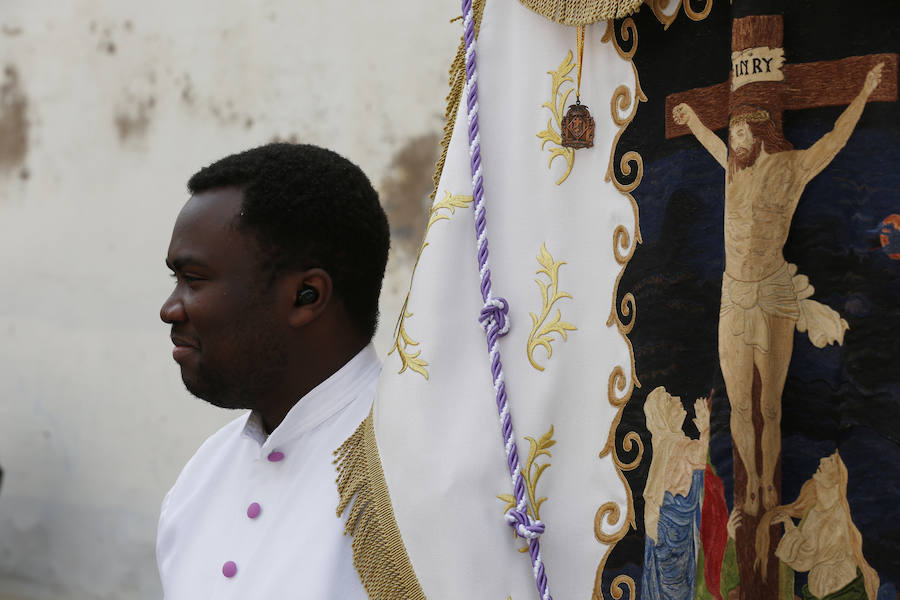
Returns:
<point x="533" y="471"/>
<point x="543" y="326"/>
<point x="408" y="360"/>
<point x="449" y="202"/>
<point x="402" y="340"/>
<point x="532" y="474"/>
<point x="557" y="105"/>
<point x="509" y="499"/>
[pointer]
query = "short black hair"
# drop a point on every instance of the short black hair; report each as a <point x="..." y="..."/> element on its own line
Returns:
<point x="310" y="207"/>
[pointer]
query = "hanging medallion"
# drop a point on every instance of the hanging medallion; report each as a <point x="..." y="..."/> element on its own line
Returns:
<point x="578" y="127"/>
<point x="578" y="124"/>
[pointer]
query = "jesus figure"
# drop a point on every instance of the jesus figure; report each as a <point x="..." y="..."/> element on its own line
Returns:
<point x="763" y="296"/>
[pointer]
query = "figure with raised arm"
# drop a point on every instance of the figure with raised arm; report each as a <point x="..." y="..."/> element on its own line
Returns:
<point x="763" y="297"/>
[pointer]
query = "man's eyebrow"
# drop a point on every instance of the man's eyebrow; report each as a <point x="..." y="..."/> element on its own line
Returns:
<point x="181" y="262"/>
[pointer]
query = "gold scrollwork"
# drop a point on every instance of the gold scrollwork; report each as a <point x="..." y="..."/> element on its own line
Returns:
<point x="616" y="590"/>
<point x="629" y="442"/>
<point x="628" y="33"/>
<point x="628" y="308"/>
<point x="402" y="341"/>
<point x="622" y="240"/>
<point x="623" y="107"/>
<point x="658" y="7"/>
<point x="531" y="474"/>
<point x="618" y="381"/>
<point x="557" y="104"/>
<point x="621" y="101"/>
<point x="611" y="514"/>
<point x="631" y="161"/>
<point x="542" y="330"/>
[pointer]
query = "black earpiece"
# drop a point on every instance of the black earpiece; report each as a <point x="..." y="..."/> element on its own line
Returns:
<point x="307" y="295"/>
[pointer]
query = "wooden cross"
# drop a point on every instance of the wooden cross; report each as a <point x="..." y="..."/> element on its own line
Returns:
<point x="761" y="78"/>
<point x="804" y="85"/>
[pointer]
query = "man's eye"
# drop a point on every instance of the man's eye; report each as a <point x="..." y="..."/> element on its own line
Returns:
<point x="184" y="277"/>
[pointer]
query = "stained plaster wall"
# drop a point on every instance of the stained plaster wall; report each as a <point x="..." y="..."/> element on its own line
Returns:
<point x="105" y="109"/>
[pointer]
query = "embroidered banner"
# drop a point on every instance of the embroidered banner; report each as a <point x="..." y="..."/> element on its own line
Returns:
<point x="735" y="437"/>
<point x="766" y="283"/>
<point x="561" y="227"/>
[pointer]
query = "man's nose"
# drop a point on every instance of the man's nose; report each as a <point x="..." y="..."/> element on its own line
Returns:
<point x="172" y="310"/>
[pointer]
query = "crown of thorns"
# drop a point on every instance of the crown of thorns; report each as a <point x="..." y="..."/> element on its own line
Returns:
<point x="756" y="116"/>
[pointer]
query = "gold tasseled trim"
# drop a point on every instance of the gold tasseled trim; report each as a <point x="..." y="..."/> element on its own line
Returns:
<point x="378" y="552"/>
<point x="457" y="81"/>
<point x="582" y="12"/>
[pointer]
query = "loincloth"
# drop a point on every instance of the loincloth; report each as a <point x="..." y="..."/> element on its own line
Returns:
<point x="784" y="294"/>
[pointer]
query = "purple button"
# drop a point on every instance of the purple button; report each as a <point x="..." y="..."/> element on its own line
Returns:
<point x="229" y="569"/>
<point x="276" y="456"/>
<point x="253" y="510"/>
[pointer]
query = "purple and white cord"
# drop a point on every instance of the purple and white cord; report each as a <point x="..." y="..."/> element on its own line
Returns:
<point x="495" y="322"/>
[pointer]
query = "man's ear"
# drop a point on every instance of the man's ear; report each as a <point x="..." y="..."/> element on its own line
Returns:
<point x="311" y="292"/>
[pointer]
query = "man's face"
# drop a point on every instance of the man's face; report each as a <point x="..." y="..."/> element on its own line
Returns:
<point x="741" y="138"/>
<point x="227" y="338"/>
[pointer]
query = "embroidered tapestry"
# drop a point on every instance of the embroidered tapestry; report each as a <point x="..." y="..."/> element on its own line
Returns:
<point x="767" y="294"/>
<point x="649" y="345"/>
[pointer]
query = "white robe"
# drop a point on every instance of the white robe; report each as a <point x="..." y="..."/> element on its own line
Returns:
<point x="295" y="547"/>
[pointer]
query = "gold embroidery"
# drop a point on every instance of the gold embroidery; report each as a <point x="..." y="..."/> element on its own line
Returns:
<point x="531" y="474"/>
<point x="408" y="360"/>
<point x="542" y="331"/>
<point x="615" y="588"/>
<point x="402" y="341"/>
<point x="657" y="6"/>
<point x="557" y="105"/>
<point x="623" y="108"/>
<point x="450" y="203"/>
<point x="628" y="32"/>
<point x="379" y="555"/>
<point x="582" y="12"/>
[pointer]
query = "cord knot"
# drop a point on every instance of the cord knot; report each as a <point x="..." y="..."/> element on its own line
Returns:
<point x="495" y="311"/>
<point x="523" y="524"/>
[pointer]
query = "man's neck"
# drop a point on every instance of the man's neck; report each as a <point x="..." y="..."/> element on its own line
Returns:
<point x="308" y="373"/>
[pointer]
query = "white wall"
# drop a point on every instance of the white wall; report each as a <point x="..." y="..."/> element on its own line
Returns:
<point x="106" y="108"/>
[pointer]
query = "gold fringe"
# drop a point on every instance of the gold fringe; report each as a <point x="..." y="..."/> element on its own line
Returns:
<point x="378" y="552"/>
<point x="582" y="12"/>
<point x="457" y="81"/>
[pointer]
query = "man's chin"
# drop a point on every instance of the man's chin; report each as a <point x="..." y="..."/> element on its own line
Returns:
<point x="194" y="387"/>
<point x="212" y="394"/>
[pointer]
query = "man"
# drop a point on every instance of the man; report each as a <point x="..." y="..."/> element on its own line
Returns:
<point x="763" y="297"/>
<point x="278" y="258"/>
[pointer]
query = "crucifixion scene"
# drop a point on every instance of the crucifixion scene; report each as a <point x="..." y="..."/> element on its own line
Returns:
<point x="763" y="297"/>
<point x="750" y="211"/>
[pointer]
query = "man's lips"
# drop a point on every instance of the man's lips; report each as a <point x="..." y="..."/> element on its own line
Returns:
<point x="183" y="348"/>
